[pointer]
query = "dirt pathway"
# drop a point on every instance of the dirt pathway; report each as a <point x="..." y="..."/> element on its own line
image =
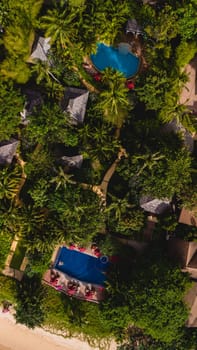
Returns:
<point x="188" y="95"/>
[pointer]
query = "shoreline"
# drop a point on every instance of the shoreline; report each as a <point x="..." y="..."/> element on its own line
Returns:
<point x="16" y="337"/>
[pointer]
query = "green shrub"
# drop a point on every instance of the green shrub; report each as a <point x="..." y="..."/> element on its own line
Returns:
<point x="5" y="242"/>
<point x="7" y="289"/>
<point x="18" y="256"/>
<point x="185" y="52"/>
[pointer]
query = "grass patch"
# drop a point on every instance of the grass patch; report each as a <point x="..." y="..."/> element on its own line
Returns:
<point x="18" y="256"/>
<point x="8" y="289"/>
<point x="5" y="243"/>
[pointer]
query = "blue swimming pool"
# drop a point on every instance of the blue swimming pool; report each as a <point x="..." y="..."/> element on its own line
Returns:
<point x="116" y="58"/>
<point x="81" y="266"/>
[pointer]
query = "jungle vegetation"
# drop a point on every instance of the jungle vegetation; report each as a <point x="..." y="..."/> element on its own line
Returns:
<point x="45" y="203"/>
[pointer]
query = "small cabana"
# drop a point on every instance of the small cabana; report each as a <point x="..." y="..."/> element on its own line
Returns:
<point x="72" y="162"/>
<point x="7" y="151"/>
<point x="40" y="49"/>
<point x="74" y="103"/>
<point x="154" y="205"/>
<point x="133" y="27"/>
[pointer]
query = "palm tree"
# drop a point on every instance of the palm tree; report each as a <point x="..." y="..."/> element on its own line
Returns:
<point x="76" y="3"/>
<point x="118" y="207"/>
<point x="85" y="134"/>
<point x="109" y="18"/>
<point x="148" y="160"/>
<point x="43" y="72"/>
<point x="62" y="179"/>
<point x="60" y="25"/>
<point x="18" y="39"/>
<point x="114" y="101"/>
<point x="9" y="183"/>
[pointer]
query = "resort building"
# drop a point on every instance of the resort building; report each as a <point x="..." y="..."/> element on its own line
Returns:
<point x="188" y="217"/>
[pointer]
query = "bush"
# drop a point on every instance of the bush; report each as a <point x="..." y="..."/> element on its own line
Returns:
<point x="5" y="241"/>
<point x="29" y="298"/>
<point x="8" y="289"/>
<point x="185" y="52"/>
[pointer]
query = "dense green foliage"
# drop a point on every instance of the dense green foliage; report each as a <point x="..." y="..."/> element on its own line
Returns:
<point x="7" y="289"/>
<point x="29" y="297"/>
<point x="44" y="202"/>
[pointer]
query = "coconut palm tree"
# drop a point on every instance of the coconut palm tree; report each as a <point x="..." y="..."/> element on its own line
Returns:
<point x="118" y="207"/>
<point x="9" y="183"/>
<point x="114" y="101"/>
<point x="62" y="179"/>
<point x="148" y="161"/>
<point x="18" y="39"/>
<point x="60" y="25"/>
<point x="109" y="18"/>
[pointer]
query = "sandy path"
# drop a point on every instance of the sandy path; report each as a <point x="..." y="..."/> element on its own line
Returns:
<point x="18" y="337"/>
<point x="188" y="94"/>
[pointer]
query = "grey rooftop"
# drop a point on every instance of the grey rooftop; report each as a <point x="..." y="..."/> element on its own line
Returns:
<point x="40" y="49"/>
<point x="75" y="102"/>
<point x="73" y="162"/>
<point x="7" y="151"/>
<point x="133" y="27"/>
<point x="154" y="206"/>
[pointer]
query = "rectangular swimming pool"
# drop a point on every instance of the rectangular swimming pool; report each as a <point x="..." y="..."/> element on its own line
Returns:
<point x="81" y="266"/>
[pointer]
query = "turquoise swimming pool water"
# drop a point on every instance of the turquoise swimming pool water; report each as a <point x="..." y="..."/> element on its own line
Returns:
<point x="121" y="60"/>
<point x="82" y="266"/>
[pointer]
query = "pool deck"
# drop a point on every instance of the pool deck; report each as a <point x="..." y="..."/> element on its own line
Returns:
<point x="63" y="279"/>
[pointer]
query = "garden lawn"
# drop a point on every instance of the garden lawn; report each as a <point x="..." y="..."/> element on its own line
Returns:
<point x="18" y="256"/>
<point x="5" y="243"/>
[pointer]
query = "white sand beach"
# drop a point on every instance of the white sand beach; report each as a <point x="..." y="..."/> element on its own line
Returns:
<point x="18" y="337"/>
